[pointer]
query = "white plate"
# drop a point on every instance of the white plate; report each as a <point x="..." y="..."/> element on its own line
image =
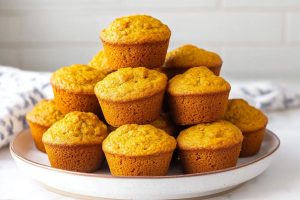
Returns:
<point x="175" y="185"/>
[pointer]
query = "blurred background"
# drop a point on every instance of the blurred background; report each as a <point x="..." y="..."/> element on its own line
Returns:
<point x="256" y="38"/>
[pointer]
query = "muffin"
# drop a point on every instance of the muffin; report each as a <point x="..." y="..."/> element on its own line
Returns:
<point x="40" y="118"/>
<point x="138" y="150"/>
<point x="188" y="56"/>
<point x="209" y="147"/>
<point x="134" y="41"/>
<point x="251" y="121"/>
<point x="99" y="62"/>
<point x="164" y="122"/>
<point x="75" y="142"/>
<point x="73" y="88"/>
<point x="197" y="96"/>
<point x="131" y="96"/>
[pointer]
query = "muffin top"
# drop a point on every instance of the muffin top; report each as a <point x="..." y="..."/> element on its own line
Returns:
<point x="138" y="140"/>
<point x="188" y="56"/>
<point x="77" y="78"/>
<point x="76" y="128"/>
<point x="130" y="84"/>
<point x="163" y="122"/>
<point x="197" y="80"/>
<point x="135" y="29"/>
<point x="219" y="134"/>
<point x="99" y="61"/>
<point x="44" y="113"/>
<point x="245" y="116"/>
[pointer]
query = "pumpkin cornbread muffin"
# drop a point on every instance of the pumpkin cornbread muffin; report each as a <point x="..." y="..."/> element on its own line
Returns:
<point x="209" y="147"/>
<point x="251" y="121"/>
<point x="131" y="95"/>
<point x="40" y="118"/>
<point x="75" y="142"/>
<point x="73" y="88"/>
<point x="138" y="150"/>
<point x="99" y="62"/>
<point x="164" y="122"/>
<point x="188" y="56"/>
<point x="134" y="41"/>
<point x="197" y="96"/>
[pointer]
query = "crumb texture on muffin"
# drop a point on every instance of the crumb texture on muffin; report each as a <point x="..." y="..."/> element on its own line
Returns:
<point x="197" y="80"/>
<point x="245" y="116"/>
<point x="77" y="78"/>
<point x="76" y="128"/>
<point x="220" y="134"/>
<point x="44" y="113"/>
<point x="138" y="140"/>
<point x="99" y="61"/>
<point x="130" y="84"/>
<point x="135" y="29"/>
<point x="188" y="56"/>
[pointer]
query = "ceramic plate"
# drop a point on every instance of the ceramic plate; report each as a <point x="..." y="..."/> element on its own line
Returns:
<point x="173" y="186"/>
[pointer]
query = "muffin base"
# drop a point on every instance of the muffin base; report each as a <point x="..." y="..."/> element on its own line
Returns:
<point x="171" y="72"/>
<point x="37" y="132"/>
<point x="205" y="160"/>
<point x="140" y="111"/>
<point x="198" y="108"/>
<point x="67" y="102"/>
<point x="152" y="165"/>
<point x="150" y="55"/>
<point x="80" y="158"/>
<point x="252" y="142"/>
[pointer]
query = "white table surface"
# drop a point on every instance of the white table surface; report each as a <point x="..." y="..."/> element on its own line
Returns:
<point x="280" y="181"/>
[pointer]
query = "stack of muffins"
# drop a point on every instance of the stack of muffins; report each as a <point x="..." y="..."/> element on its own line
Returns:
<point x="129" y="103"/>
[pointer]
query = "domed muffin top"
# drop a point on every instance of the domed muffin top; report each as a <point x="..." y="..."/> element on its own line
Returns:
<point x="77" y="78"/>
<point x="130" y="84"/>
<point x="245" y="116"/>
<point x="188" y="56"/>
<point x="99" y="61"/>
<point x="197" y="80"/>
<point x="44" y="113"/>
<point x="219" y="134"/>
<point x="76" y="128"/>
<point x="135" y="29"/>
<point x="138" y="140"/>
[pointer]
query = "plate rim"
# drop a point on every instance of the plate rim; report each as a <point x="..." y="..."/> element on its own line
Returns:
<point x="14" y="153"/>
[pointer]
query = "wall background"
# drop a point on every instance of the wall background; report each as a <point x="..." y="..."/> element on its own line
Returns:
<point x="256" y="38"/>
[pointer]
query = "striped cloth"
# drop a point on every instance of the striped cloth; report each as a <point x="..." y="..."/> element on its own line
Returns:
<point x="19" y="92"/>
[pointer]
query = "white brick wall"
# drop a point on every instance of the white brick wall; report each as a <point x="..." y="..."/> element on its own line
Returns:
<point x="293" y="27"/>
<point x="256" y="38"/>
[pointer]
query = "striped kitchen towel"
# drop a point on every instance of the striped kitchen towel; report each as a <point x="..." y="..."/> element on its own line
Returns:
<point x="267" y="95"/>
<point x="19" y="92"/>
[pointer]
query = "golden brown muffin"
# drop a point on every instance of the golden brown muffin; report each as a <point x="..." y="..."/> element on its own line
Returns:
<point x="197" y="96"/>
<point x="134" y="41"/>
<point x="209" y="147"/>
<point x="73" y="88"/>
<point x="164" y="122"/>
<point x="131" y="95"/>
<point x="252" y="123"/>
<point x="138" y="150"/>
<point x="75" y="142"/>
<point x="187" y="56"/>
<point x="99" y="61"/>
<point x="40" y="118"/>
